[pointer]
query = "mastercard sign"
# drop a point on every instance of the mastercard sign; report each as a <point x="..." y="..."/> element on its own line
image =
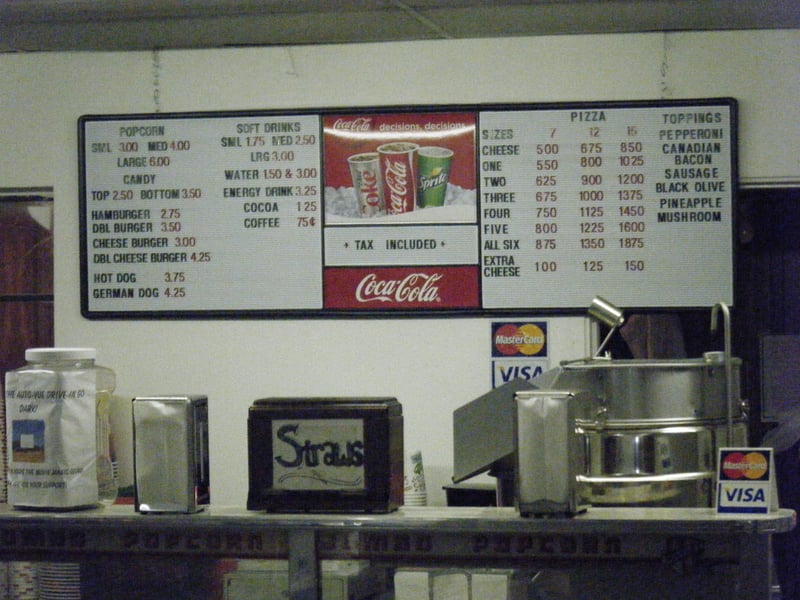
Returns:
<point x="738" y="465"/>
<point x="746" y="482"/>
<point x="519" y="339"/>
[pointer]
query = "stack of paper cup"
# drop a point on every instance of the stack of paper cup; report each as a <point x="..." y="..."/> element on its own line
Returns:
<point x="414" y="492"/>
<point x="59" y="581"/>
<point x="17" y="579"/>
<point x="22" y="583"/>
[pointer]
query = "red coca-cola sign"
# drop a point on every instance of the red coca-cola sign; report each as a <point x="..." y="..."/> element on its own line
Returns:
<point x="398" y="162"/>
<point x="393" y="288"/>
<point x="414" y="287"/>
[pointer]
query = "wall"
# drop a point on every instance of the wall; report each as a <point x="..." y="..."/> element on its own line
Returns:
<point x="432" y="365"/>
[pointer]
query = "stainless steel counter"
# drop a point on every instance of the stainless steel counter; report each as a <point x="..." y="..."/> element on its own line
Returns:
<point x="426" y="537"/>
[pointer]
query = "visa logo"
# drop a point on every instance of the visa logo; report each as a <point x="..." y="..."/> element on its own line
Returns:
<point x="745" y="495"/>
<point x="526" y="372"/>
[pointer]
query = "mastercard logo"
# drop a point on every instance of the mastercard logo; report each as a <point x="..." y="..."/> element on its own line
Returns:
<point x="514" y="339"/>
<point x="740" y="465"/>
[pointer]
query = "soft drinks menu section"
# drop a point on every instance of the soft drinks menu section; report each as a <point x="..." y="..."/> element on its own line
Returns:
<point x="467" y="210"/>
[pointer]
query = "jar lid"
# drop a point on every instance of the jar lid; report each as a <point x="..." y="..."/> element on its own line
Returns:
<point x="46" y="354"/>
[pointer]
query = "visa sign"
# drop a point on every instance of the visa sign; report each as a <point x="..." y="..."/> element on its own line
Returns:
<point x="505" y="371"/>
<point x="737" y="498"/>
<point x="744" y="496"/>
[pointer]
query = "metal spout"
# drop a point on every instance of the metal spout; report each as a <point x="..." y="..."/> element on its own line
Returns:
<point x="603" y="311"/>
<point x="726" y="320"/>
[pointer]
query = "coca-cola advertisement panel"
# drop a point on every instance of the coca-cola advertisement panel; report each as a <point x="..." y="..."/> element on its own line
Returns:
<point x="400" y="167"/>
<point x="406" y="288"/>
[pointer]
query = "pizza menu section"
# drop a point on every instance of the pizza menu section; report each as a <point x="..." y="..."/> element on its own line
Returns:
<point x="635" y="202"/>
<point x="467" y="210"/>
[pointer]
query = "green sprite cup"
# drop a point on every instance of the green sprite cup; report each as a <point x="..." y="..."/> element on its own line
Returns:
<point x="433" y="168"/>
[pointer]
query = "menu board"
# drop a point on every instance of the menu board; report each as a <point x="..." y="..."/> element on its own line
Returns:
<point x="390" y="211"/>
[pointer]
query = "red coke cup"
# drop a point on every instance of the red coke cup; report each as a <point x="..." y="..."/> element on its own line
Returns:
<point x="399" y="173"/>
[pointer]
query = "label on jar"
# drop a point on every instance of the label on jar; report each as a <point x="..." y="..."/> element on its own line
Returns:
<point x="52" y="450"/>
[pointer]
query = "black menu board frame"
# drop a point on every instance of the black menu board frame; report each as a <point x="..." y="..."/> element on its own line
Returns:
<point x="392" y="211"/>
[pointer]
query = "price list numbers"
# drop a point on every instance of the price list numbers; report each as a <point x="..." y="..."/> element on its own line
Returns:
<point x="567" y="204"/>
<point x="631" y="206"/>
<point x="521" y="225"/>
<point x="269" y="199"/>
<point x="547" y="207"/>
<point x="610" y="195"/>
<point x="280" y="167"/>
<point x="132" y="230"/>
<point x="591" y="197"/>
<point x="177" y="208"/>
<point x="279" y="151"/>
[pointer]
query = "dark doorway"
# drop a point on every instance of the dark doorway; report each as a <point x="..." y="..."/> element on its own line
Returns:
<point x="767" y="299"/>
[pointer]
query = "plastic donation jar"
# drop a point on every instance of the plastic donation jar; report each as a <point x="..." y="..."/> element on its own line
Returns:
<point x="59" y="434"/>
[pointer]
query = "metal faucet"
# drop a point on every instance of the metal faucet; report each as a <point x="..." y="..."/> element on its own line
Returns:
<point x="726" y="319"/>
<point x="603" y="311"/>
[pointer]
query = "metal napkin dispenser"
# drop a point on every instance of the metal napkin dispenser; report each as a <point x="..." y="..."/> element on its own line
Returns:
<point x="325" y="455"/>
<point x="484" y="439"/>
<point x="170" y="453"/>
<point x="550" y="452"/>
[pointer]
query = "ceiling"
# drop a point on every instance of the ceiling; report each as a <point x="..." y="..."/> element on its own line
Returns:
<point x="56" y="25"/>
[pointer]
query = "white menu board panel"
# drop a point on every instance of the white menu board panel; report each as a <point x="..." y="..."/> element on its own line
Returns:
<point x="635" y="202"/>
<point x="438" y="210"/>
<point x="199" y="214"/>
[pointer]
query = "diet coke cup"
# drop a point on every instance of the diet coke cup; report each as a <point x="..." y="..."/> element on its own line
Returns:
<point x="399" y="174"/>
<point x="366" y="175"/>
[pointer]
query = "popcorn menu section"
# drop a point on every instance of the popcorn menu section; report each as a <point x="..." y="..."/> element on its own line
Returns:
<point x="202" y="213"/>
<point x="469" y="209"/>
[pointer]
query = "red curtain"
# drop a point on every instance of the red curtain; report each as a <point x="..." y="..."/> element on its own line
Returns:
<point x="26" y="283"/>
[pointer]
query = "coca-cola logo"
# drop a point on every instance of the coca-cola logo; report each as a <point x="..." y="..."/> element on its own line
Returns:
<point x="356" y="124"/>
<point x="396" y="177"/>
<point x="414" y="287"/>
